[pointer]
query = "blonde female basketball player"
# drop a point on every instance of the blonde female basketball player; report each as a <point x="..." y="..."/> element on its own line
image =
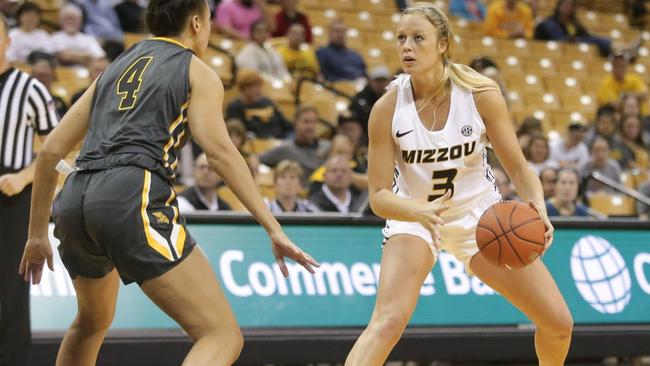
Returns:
<point x="117" y="215"/>
<point x="435" y="123"/>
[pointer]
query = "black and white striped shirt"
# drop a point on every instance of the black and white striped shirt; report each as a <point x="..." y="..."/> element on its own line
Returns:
<point x="25" y="107"/>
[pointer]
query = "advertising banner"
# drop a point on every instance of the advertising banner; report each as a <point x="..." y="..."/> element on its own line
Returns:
<point x="603" y="274"/>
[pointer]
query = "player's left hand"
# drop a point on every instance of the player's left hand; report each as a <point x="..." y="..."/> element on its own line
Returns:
<point x="37" y="252"/>
<point x="12" y="184"/>
<point x="284" y="247"/>
<point x="548" y="235"/>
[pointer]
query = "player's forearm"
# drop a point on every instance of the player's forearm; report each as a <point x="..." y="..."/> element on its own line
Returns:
<point x="42" y="192"/>
<point x="387" y="205"/>
<point x="529" y="187"/>
<point x="232" y="167"/>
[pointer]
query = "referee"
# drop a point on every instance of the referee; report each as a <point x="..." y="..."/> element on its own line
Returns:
<point x="25" y="107"/>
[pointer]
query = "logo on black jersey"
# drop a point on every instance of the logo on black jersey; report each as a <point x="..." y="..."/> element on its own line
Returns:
<point x="161" y="218"/>
<point x="466" y="130"/>
<point x="402" y="134"/>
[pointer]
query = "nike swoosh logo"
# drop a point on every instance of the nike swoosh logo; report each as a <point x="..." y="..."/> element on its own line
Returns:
<point x="402" y="134"/>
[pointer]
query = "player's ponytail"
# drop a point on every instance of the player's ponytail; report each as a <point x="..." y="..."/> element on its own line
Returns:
<point x="464" y="76"/>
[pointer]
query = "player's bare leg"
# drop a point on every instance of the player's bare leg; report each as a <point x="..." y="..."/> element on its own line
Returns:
<point x="191" y="295"/>
<point x="533" y="291"/>
<point x="405" y="263"/>
<point x="96" y="307"/>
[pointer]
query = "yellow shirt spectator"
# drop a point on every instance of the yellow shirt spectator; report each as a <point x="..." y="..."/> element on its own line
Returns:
<point x="509" y="19"/>
<point x="611" y="89"/>
<point x="300" y="62"/>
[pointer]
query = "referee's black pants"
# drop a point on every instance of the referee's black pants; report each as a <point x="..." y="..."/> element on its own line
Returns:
<point x="15" y="331"/>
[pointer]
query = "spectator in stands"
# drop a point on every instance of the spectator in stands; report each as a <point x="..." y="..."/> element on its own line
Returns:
<point x="335" y="194"/>
<point x="299" y="58"/>
<point x="289" y="15"/>
<point x="537" y="153"/>
<point x="203" y="194"/>
<point x="235" y="17"/>
<point x="548" y="178"/>
<point x="378" y="79"/>
<point x="288" y="185"/>
<point x="96" y="67"/>
<point x="100" y="20"/>
<point x="564" y="26"/>
<point x="341" y="145"/>
<point x="570" y="151"/>
<point x="44" y="70"/>
<point x="337" y="62"/>
<point x="509" y="19"/>
<point x="349" y="125"/>
<point x="630" y="132"/>
<point x="620" y="81"/>
<point x="565" y="200"/>
<point x="131" y="16"/>
<point x="642" y="209"/>
<point x="489" y="68"/>
<point x="529" y="127"/>
<point x="305" y="148"/>
<point x="259" y="55"/>
<point x="602" y="163"/>
<point x="472" y="10"/>
<point x="237" y="132"/>
<point x="260" y="115"/>
<point x="502" y="181"/>
<point x="606" y="127"/>
<point x="27" y="37"/>
<point x="630" y="105"/>
<point x="8" y="8"/>
<point x="73" y="47"/>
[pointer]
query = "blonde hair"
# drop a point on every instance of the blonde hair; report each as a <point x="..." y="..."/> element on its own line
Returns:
<point x="286" y="167"/>
<point x="462" y="75"/>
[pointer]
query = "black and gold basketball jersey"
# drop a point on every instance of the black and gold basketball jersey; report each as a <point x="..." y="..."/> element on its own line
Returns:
<point x="139" y="110"/>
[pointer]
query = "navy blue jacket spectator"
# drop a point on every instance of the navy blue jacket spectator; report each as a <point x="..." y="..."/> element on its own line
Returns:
<point x="337" y="62"/>
<point x="564" y="26"/>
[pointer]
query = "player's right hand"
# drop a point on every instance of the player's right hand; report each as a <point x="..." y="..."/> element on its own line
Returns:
<point x="37" y="252"/>
<point x="282" y="247"/>
<point x="428" y="215"/>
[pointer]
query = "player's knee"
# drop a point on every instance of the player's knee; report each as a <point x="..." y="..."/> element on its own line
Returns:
<point x="390" y="324"/>
<point x="560" y="324"/>
<point x="96" y="321"/>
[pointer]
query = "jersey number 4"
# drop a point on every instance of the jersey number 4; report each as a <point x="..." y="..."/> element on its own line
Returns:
<point x="129" y="83"/>
<point x="443" y="181"/>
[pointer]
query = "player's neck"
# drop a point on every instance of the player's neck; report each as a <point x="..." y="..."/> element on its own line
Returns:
<point x="427" y="82"/>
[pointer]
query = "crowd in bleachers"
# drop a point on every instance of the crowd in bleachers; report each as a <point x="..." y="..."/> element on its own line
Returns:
<point x="573" y="73"/>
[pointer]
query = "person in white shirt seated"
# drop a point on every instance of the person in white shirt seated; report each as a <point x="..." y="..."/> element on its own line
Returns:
<point x="537" y="153"/>
<point x="73" y="47"/>
<point x="288" y="185"/>
<point x="336" y="194"/>
<point x="571" y="151"/>
<point x="259" y="55"/>
<point x="202" y="196"/>
<point x="27" y="37"/>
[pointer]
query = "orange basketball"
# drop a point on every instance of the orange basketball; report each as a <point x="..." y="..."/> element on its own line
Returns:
<point x="510" y="234"/>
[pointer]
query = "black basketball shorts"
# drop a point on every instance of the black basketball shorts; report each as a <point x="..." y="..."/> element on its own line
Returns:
<point x="123" y="217"/>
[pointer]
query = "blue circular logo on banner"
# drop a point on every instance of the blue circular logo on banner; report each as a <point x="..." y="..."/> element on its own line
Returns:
<point x="600" y="274"/>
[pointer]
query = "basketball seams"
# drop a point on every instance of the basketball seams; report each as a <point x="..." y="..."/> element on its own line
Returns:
<point x="524" y="239"/>
<point x="512" y="213"/>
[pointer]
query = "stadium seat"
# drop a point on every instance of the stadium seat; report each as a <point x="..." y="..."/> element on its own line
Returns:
<point x="229" y="197"/>
<point x="612" y="204"/>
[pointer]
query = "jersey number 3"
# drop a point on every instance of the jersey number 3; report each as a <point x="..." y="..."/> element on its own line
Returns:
<point x="129" y="83"/>
<point x="443" y="181"/>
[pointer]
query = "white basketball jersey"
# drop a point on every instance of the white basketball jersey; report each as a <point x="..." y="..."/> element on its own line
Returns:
<point x="431" y="162"/>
